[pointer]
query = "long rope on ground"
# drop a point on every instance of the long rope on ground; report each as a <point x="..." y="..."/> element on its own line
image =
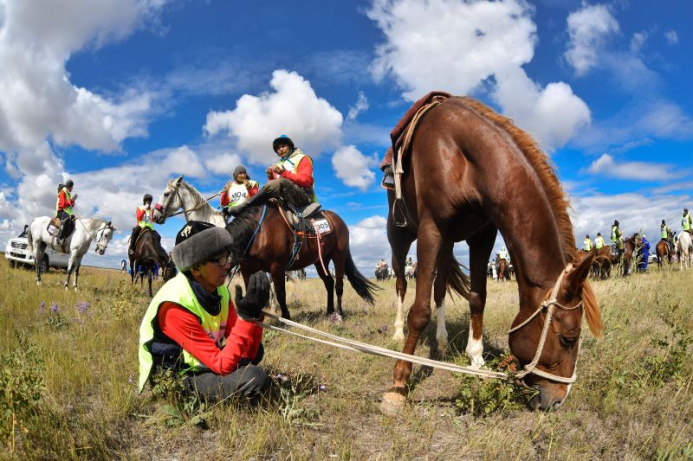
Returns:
<point x="356" y="346"/>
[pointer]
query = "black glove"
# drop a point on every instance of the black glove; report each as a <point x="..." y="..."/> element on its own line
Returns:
<point x="249" y="307"/>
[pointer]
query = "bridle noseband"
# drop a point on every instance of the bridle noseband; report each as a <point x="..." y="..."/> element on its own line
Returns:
<point x="549" y="304"/>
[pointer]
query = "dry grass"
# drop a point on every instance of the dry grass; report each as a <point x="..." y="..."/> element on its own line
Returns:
<point x="632" y="400"/>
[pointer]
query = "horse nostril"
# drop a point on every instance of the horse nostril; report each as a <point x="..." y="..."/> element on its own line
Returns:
<point x="567" y="341"/>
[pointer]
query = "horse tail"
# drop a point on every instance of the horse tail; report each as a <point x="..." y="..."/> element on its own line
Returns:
<point x="30" y="245"/>
<point x="363" y="287"/>
<point x="457" y="281"/>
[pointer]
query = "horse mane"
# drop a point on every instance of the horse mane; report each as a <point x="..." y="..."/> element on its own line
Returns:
<point x="555" y="194"/>
<point x="94" y="224"/>
<point x="241" y="229"/>
<point x="197" y="197"/>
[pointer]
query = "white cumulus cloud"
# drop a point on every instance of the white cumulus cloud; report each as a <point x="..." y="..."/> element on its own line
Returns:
<point x="354" y="168"/>
<point x="292" y="108"/>
<point x="588" y="28"/>
<point x="465" y="47"/>
<point x="642" y="171"/>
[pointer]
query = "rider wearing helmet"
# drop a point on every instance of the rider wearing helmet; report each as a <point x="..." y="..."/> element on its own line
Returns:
<point x="63" y="206"/>
<point x="239" y="190"/>
<point x="290" y="180"/>
<point x="144" y="220"/>
<point x="665" y="235"/>
<point x="617" y="237"/>
<point x="687" y="221"/>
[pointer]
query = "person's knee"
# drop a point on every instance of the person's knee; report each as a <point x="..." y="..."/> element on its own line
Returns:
<point x="254" y="380"/>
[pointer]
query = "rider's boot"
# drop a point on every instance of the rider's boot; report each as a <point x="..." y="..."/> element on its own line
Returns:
<point x="133" y="240"/>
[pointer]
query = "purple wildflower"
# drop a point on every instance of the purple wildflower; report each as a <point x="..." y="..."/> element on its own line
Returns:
<point x="54" y="307"/>
<point x="42" y="307"/>
<point x="82" y="307"/>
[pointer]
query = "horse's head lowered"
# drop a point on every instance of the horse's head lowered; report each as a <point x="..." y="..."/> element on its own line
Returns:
<point x="103" y="236"/>
<point x="169" y="202"/>
<point x="546" y="342"/>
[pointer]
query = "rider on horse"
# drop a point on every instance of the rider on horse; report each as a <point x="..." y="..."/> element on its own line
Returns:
<point x="666" y="235"/>
<point x="687" y="221"/>
<point x="617" y="238"/>
<point x="587" y="243"/>
<point x="63" y="207"/>
<point x="144" y="220"/>
<point x="239" y="190"/>
<point x="599" y="241"/>
<point x="290" y="180"/>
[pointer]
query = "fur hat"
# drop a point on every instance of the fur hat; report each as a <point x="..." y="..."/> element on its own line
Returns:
<point x="197" y="242"/>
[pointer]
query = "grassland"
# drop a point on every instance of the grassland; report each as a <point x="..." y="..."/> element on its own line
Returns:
<point x="68" y="372"/>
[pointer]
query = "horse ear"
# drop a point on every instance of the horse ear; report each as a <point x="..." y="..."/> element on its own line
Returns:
<point x="180" y="178"/>
<point x="581" y="269"/>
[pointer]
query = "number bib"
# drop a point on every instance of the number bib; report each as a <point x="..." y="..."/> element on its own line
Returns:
<point x="322" y="226"/>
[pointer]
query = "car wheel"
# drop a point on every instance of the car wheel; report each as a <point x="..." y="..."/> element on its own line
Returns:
<point x="43" y="267"/>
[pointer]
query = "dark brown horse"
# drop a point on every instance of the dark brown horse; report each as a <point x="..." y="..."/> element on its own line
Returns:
<point x="452" y="190"/>
<point x="663" y="251"/>
<point x="263" y="241"/>
<point x="148" y="254"/>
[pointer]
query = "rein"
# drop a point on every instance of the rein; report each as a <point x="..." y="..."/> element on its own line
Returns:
<point x="356" y="346"/>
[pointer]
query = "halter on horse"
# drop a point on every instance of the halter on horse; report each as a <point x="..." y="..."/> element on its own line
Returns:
<point x="77" y="244"/>
<point x="466" y="147"/>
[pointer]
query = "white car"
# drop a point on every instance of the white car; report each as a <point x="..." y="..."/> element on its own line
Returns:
<point x="17" y="253"/>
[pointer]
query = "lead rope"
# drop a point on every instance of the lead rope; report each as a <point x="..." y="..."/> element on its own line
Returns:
<point x="317" y="237"/>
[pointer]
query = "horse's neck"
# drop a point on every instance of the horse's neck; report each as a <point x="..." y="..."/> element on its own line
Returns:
<point x="204" y="212"/>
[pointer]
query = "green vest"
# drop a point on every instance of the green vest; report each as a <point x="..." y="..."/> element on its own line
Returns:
<point x="68" y="197"/>
<point x="587" y="245"/>
<point x="147" y="220"/>
<point x="686" y="222"/>
<point x="291" y="164"/>
<point x="599" y="242"/>
<point x="665" y="232"/>
<point x="179" y="291"/>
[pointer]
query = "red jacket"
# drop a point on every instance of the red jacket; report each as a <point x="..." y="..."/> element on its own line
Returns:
<point x="303" y="176"/>
<point x="242" y="338"/>
<point x="63" y="202"/>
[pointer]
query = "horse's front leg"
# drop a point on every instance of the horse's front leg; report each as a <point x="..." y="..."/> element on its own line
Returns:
<point x="279" y="279"/>
<point x="71" y="263"/>
<point x="428" y="250"/>
<point x="480" y="247"/>
<point x="38" y="257"/>
<point x="77" y="266"/>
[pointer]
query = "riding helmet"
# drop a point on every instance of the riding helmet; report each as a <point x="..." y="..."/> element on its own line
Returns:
<point x="147" y="198"/>
<point x="616" y="222"/>
<point x="283" y="139"/>
<point x="69" y="183"/>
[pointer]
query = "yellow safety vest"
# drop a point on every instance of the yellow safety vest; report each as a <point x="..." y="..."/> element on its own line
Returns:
<point x="599" y="242"/>
<point x="290" y="164"/>
<point x="587" y="245"/>
<point x="146" y="221"/>
<point x="686" y="222"/>
<point x="68" y="197"/>
<point x="178" y="290"/>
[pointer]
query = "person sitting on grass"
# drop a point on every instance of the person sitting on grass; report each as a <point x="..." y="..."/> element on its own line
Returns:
<point x="193" y="328"/>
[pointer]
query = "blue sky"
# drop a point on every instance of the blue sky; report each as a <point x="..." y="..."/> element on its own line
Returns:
<point x="122" y="95"/>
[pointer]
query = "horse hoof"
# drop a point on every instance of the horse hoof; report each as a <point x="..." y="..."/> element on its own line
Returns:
<point x="393" y="403"/>
<point x="336" y="318"/>
<point x="399" y="336"/>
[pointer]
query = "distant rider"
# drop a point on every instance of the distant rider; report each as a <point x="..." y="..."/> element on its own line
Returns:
<point x="587" y="243"/>
<point x="144" y="220"/>
<point x="599" y="241"/>
<point x="290" y="180"/>
<point x="617" y="238"/>
<point x="239" y="190"/>
<point x="687" y="221"/>
<point x="63" y="206"/>
<point x="665" y="235"/>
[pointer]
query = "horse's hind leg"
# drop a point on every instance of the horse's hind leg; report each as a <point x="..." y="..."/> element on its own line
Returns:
<point x="400" y="242"/>
<point x="328" y="281"/>
<point x="77" y="267"/>
<point x="480" y="247"/>
<point x="439" y="289"/>
<point x="38" y="257"/>
<point x="339" y="264"/>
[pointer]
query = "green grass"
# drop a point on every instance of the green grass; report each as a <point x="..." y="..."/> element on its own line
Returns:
<point x="69" y="386"/>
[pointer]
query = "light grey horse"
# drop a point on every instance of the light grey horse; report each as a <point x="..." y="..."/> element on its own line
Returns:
<point x="76" y="245"/>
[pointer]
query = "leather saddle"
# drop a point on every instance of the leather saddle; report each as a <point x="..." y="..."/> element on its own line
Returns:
<point x="306" y="220"/>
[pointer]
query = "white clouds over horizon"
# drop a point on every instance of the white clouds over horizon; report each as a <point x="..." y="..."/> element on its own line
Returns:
<point x="606" y="165"/>
<point x="292" y="108"/>
<point x="465" y="47"/>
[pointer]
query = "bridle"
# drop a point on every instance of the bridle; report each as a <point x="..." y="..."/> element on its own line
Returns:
<point x="98" y="236"/>
<point x="162" y="208"/>
<point x="549" y="305"/>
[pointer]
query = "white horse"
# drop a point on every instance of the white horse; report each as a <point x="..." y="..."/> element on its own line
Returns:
<point x="181" y="195"/>
<point x="76" y="245"/>
<point x="683" y="249"/>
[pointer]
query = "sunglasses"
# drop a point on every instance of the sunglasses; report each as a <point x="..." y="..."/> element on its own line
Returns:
<point x="221" y="261"/>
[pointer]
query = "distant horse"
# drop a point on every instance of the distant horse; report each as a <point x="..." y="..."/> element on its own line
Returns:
<point x="410" y="272"/>
<point x="76" y="244"/>
<point x="629" y="252"/>
<point x="263" y="241"/>
<point x="148" y="254"/>
<point x="382" y="273"/>
<point x="503" y="270"/>
<point x="684" y="249"/>
<point x="467" y="147"/>
<point x="663" y="251"/>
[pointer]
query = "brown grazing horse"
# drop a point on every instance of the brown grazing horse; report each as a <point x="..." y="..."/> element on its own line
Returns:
<point x="148" y="253"/>
<point x="663" y="251"/>
<point x="263" y="241"/>
<point x="453" y="191"/>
